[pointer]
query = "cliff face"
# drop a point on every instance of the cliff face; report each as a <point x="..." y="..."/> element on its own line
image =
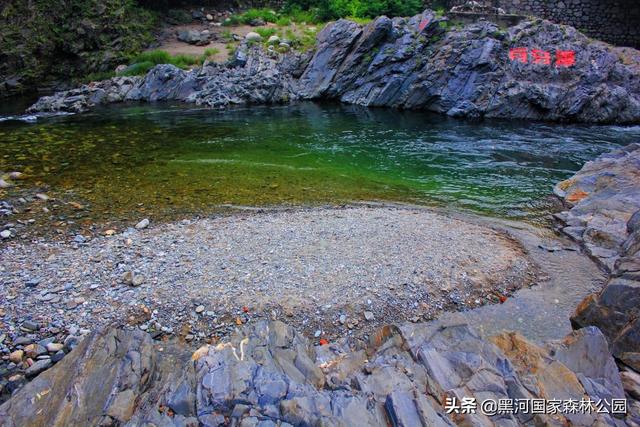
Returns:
<point x="536" y="70"/>
<point x="43" y="42"/>
<point x="478" y="70"/>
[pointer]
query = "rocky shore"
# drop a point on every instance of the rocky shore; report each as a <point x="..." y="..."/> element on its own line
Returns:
<point x="198" y="280"/>
<point x="604" y="215"/>
<point x="258" y="320"/>
<point x="425" y="62"/>
<point x="267" y="373"/>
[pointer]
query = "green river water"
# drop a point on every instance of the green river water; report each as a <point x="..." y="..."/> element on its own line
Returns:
<point x="170" y="161"/>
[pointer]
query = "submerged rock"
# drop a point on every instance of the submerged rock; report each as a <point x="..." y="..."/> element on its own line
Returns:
<point x="416" y="63"/>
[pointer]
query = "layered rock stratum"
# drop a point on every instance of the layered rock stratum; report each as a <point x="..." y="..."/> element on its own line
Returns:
<point x="268" y="375"/>
<point x="604" y="215"/>
<point x="424" y="63"/>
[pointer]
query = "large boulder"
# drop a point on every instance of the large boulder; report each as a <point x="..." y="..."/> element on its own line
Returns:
<point x="421" y="63"/>
<point x="604" y="201"/>
<point x="198" y="38"/>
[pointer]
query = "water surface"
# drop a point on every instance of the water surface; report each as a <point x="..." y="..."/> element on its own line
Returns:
<point x="176" y="160"/>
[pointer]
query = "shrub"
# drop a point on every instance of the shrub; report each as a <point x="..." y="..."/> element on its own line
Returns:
<point x="267" y="15"/>
<point x="98" y="76"/>
<point x="227" y="35"/>
<point x="155" y="56"/>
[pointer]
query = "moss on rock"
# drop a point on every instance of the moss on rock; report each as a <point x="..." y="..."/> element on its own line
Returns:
<point x="42" y="42"/>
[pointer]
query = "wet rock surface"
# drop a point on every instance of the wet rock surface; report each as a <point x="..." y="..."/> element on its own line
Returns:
<point x="604" y="201"/>
<point x="268" y="374"/>
<point x="423" y="62"/>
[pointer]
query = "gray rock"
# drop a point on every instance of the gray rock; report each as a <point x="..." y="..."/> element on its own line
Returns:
<point x="462" y="72"/>
<point x="586" y="353"/>
<point x="265" y="372"/>
<point x="38" y="367"/>
<point x="194" y="37"/>
<point x="253" y="37"/>
<point x="31" y="326"/>
<point x="401" y="410"/>
<point x="58" y="356"/>
<point x="142" y="224"/>
<point x="23" y="341"/>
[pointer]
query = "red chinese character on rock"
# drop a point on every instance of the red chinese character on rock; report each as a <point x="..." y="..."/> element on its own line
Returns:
<point x="541" y="57"/>
<point x="565" y="58"/>
<point x="423" y="24"/>
<point x="519" y="54"/>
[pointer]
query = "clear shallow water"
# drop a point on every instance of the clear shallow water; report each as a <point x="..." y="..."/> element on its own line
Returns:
<point x="174" y="160"/>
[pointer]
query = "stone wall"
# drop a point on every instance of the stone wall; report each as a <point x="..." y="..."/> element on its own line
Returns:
<point x="614" y="21"/>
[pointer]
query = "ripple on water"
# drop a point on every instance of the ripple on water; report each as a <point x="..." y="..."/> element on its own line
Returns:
<point x="176" y="159"/>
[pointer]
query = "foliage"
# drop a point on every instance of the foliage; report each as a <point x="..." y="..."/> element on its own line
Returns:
<point x="333" y="9"/>
<point x="212" y="51"/>
<point x="361" y="21"/>
<point x="227" y="35"/>
<point x="43" y="40"/>
<point x="179" y="16"/>
<point x="283" y="21"/>
<point x="304" y="41"/>
<point x="142" y="63"/>
<point x="266" y="15"/>
<point x="139" y="69"/>
<point x="101" y="75"/>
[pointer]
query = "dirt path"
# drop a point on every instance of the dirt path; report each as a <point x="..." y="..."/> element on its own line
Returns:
<point x="222" y="38"/>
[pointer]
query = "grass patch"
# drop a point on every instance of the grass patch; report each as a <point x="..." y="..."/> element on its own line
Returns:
<point x="358" y="20"/>
<point x="138" y="69"/>
<point x="283" y="21"/>
<point x="445" y="25"/>
<point x="266" y="32"/>
<point x="208" y="54"/>
<point x="266" y="15"/>
<point x="142" y="63"/>
<point x="98" y="76"/>
<point x="227" y="35"/>
<point x="300" y="16"/>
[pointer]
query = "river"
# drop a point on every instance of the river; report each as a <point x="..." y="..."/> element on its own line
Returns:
<point x="168" y="161"/>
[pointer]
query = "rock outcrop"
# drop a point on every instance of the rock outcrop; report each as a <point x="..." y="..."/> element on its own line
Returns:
<point x="268" y="375"/>
<point x="424" y="62"/>
<point x="259" y="80"/>
<point x="604" y="197"/>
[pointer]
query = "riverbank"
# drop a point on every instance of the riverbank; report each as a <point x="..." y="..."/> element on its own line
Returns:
<point x="320" y="368"/>
<point x="329" y="272"/>
<point x="421" y="63"/>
